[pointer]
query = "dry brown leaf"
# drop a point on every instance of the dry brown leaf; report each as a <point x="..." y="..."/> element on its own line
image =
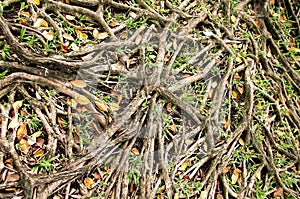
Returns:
<point x="89" y="182"/>
<point x="135" y="151"/>
<point x="278" y="192"/>
<point x="81" y="35"/>
<point x="64" y="48"/>
<point x="82" y="99"/>
<point x="173" y="128"/>
<point x="240" y="88"/>
<point x="235" y="176"/>
<point x="68" y="37"/>
<point x="227" y="169"/>
<point x="22" y="132"/>
<point x="98" y="35"/>
<point x="113" y="24"/>
<point x="48" y="35"/>
<point x="132" y="14"/>
<point x="114" y="106"/>
<point x="78" y="83"/>
<point x="40" y="23"/>
<point x="25" y="14"/>
<point x="101" y="106"/>
<point x="186" y="75"/>
<point x="38" y="153"/>
<point x="24" y="146"/>
<point x="169" y="106"/>
<point x="72" y="102"/>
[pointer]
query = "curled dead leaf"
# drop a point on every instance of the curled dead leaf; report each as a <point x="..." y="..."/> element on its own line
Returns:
<point x="22" y="132"/>
<point x="89" y="182"/>
<point x="23" y="146"/>
<point x="101" y="106"/>
<point x="68" y="37"/>
<point x="135" y="151"/>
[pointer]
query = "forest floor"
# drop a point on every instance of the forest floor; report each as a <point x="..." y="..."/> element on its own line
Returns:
<point x="142" y="99"/>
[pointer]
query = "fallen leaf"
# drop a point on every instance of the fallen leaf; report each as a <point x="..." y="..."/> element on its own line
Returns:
<point x="238" y="60"/>
<point x="38" y="153"/>
<point x="24" y="146"/>
<point x="184" y="165"/>
<point x="17" y="105"/>
<point x="234" y="95"/>
<point x="233" y="18"/>
<point x="226" y="123"/>
<point x="203" y="194"/>
<point x="227" y="169"/>
<point x="48" y="35"/>
<point x="169" y="106"/>
<point x="70" y="17"/>
<point x="40" y="23"/>
<point x="14" y="123"/>
<point x="22" y="22"/>
<point x="240" y="88"/>
<point x="81" y="35"/>
<point x="72" y="102"/>
<point x="37" y="2"/>
<point x="219" y="196"/>
<point x="241" y="142"/>
<point x="74" y="47"/>
<point x="173" y="128"/>
<point x="186" y="75"/>
<point x="82" y="99"/>
<point x="98" y="35"/>
<point x="25" y="14"/>
<point x="257" y="23"/>
<point x="132" y="14"/>
<point x="135" y="151"/>
<point x="89" y="182"/>
<point x="68" y="37"/>
<point x="235" y="176"/>
<point x="244" y="25"/>
<point x="78" y="83"/>
<point x="22" y="132"/>
<point x="101" y="106"/>
<point x="113" y="24"/>
<point x="176" y="196"/>
<point x="67" y="1"/>
<point x="278" y="193"/>
<point x="64" y="48"/>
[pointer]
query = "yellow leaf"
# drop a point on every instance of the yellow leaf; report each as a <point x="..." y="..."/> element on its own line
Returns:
<point x="38" y="153"/>
<point x="244" y="25"/>
<point x="135" y="151"/>
<point x="226" y="123"/>
<point x="25" y="14"/>
<point x="233" y="18"/>
<point x="184" y="166"/>
<point x="68" y="37"/>
<point x="101" y="106"/>
<point x="81" y="35"/>
<point x="89" y="182"/>
<point x="24" y="146"/>
<point x="22" y="132"/>
<point x="241" y="142"/>
<point x="37" y="2"/>
<point x="78" y="83"/>
<point x="227" y="169"/>
<point x="82" y="99"/>
<point x="238" y="60"/>
<point x="234" y="95"/>
<point x="36" y="134"/>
